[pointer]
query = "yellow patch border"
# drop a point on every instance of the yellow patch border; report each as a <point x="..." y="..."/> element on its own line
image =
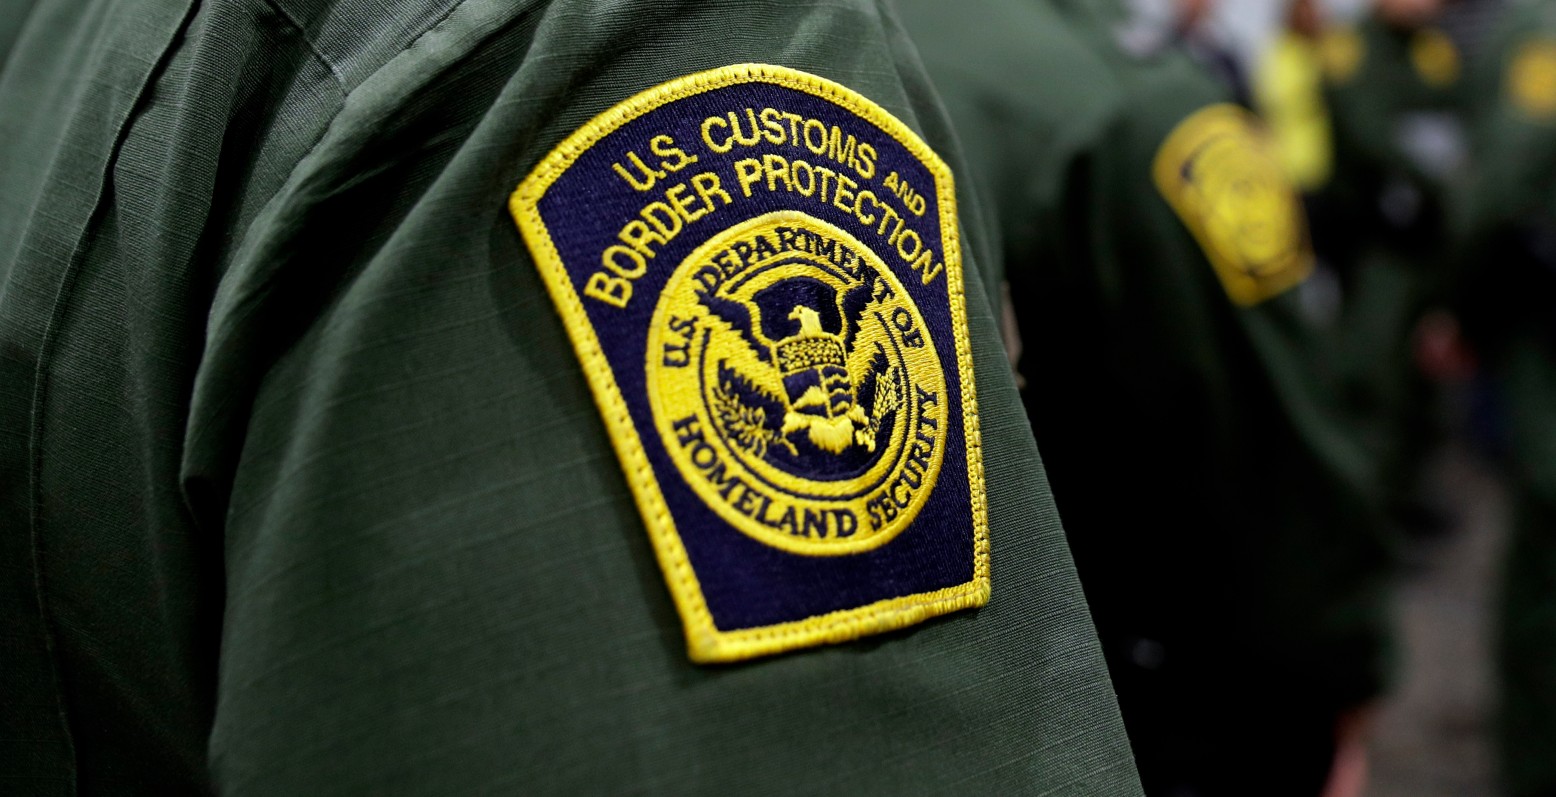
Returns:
<point x="705" y="643"/>
<point x="1244" y="289"/>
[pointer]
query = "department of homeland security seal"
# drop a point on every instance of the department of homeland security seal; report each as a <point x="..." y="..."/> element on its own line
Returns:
<point x="790" y="371"/>
<point x="760" y="272"/>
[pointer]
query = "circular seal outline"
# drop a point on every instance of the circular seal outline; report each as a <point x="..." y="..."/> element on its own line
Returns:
<point x="827" y="489"/>
<point x="844" y="493"/>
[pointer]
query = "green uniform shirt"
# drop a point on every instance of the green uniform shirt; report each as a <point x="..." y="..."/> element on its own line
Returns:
<point x="1378" y="77"/>
<point x="1505" y="223"/>
<point x="1394" y="96"/>
<point x="1215" y="501"/>
<point x="302" y="487"/>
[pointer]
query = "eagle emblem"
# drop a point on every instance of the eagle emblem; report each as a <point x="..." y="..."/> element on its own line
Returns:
<point x="807" y="349"/>
<point x="793" y="367"/>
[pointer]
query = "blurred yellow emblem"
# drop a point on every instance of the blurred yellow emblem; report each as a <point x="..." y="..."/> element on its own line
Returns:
<point x="1531" y="79"/>
<point x="1217" y="171"/>
<point x="1434" y="57"/>
<point x="1341" y="50"/>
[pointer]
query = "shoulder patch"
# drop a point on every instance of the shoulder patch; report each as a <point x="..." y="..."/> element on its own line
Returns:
<point x="1217" y="171"/>
<point x="759" y="270"/>
<point x="1531" y="79"/>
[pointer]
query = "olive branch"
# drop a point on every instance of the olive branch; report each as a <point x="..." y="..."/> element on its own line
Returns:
<point x="746" y="426"/>
<point x="887" y="398"/>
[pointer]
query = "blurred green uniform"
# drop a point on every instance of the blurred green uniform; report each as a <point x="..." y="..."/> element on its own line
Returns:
<point x="1508" y="227"/>
<point x="302" y="488"/>
<point x="1393" y="98"/>
<point x="1217" y="509"/>
<point x="1380" y="80"/>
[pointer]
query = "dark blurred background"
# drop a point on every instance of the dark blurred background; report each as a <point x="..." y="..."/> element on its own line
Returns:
<point x="1434" y="732"/>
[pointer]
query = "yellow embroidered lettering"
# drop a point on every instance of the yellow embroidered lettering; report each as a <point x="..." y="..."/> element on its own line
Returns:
<point x="744" y="140"/>
<point x="903" y="250"/>
<point x="887" y="215"/>
<point x="638" y="235"/>
<point x="678" y="347"/>
<point x="658" y="223"/>
<point x="747" y="171"/>
<point x="911" y="199"/>
<point x="707" y="187"/>
<point x="664" y="146"/>
<point x="841" y="149"/>
<point x="843" y="197"/>
<point x="826" y="180"/>
<point x="612" y="256"/>
<point x="794" y="126"/>
<point x="707" y="137"/>
<point x="776" y="169"/>
<point x="682" y="204"/>
<point x="610" y="290"/>
<point x="652" y="176"/>
<point x="665" y="221"/>
<point x="891" y="238"/>
<point x="819" y="147"/>
<point x="866" y="162"/>
<point x="772" y="129"/>
<point x="864" y="219"/>
<point x="926" y="264"/>
<point x="810" y="177"/>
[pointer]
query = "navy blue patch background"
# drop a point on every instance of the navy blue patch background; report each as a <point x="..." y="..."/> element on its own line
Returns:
<point x="745" y="582"/>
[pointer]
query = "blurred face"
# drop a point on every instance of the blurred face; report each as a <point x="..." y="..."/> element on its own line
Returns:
<point x="1304" y="17"/>
<point x="1191" y="12"/>
<point x="1408" y="13"/>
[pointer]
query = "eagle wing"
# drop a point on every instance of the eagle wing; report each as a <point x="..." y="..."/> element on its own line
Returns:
<point x="855" y="300"/>
<point x="738" y="316"/>
<point x="751" y="416"/>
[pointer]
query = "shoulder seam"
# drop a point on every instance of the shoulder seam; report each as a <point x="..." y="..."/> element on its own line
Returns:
<point x="340" y="80"/>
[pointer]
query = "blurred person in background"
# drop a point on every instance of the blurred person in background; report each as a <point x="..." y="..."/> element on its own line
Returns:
<point x="1390" y="95"/>
<point x="1224" y="519"/>
<point x="1288" y="94"/>
<point x="1506" y="230"/>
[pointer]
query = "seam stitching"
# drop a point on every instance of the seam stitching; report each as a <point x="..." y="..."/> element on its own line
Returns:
<point x="313" y="47"/>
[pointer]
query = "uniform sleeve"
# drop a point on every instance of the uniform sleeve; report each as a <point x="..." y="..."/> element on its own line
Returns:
<point x="1512" y="123"/>
<point x="1201" y="400"/>
<point x="1501" y="260"/>
<point x="438" y="578"/>
<point x="1505" y="297"/>
<point x="12" y="19"/>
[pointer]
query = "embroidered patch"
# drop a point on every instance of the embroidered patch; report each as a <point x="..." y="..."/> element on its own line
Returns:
<point x="760" y="272"/>
<point x="1531" y="79"/>
<point x="1217" y="172"/>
